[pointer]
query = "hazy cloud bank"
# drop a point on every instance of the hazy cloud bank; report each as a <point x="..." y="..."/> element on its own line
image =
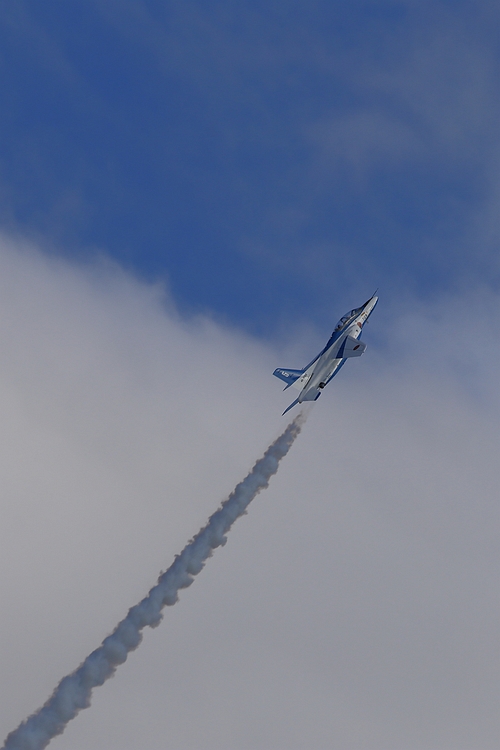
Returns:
<point x="354" y="607"/>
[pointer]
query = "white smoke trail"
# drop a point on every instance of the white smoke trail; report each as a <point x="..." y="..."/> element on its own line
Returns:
<point x="74" y="691"/>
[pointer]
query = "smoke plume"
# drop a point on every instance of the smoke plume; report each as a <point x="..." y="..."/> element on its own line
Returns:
<point x="74" y="692"/>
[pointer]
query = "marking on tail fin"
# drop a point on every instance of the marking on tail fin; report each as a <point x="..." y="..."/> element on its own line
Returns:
<point x="287" y="375"/>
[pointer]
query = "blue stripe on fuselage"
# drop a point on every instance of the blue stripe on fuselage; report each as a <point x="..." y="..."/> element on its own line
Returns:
<point x="336" y="371"/>
<point x="335" y="336"/>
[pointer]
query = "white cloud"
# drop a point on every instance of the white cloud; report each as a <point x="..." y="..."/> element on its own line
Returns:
<point x="354" y="607"/>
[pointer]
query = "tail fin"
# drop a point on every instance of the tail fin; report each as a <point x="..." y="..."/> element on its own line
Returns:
<point x="288" y="376"/>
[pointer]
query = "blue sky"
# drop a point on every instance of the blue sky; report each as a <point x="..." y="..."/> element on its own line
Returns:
<point x="272" y="162"/>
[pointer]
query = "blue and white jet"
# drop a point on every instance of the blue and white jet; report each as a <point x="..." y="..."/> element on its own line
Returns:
<point x="342" y="344"/>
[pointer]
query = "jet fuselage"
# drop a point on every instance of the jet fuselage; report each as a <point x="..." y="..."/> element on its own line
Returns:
<point x="342" y="344"/>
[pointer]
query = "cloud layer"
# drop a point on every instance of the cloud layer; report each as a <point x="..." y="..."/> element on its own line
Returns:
<point x="354" y="607"/>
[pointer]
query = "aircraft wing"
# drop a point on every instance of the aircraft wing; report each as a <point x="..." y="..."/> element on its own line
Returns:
<point x="351" y="347"/>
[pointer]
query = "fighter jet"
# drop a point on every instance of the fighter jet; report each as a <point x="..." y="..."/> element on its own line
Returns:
<point x="342" y="344"/>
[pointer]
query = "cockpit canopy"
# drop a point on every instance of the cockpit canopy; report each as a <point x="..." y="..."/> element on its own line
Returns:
<point x="345" y="319"/>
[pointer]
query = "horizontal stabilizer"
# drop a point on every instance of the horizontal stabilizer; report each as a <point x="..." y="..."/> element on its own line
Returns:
<point x="288" y="376"/>
<point x="291" y="406"/>
<point x="351" y="347"/>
